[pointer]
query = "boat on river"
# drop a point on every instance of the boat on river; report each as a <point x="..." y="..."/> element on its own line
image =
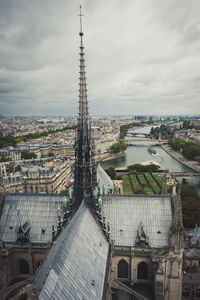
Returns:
<point x="151" y="150"/>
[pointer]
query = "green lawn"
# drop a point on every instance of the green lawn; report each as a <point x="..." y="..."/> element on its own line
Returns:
<point x="148" y="191"/>
<point x="142" y="179"/>
<point x="152" y="183"/>
<point x="158" y="179"/>
<point x="142" y="184"/>
<point x="127" y="185"/>
<point x="136" y="185"/>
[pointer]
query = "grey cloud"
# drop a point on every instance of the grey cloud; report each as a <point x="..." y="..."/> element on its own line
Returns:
<point x="141" y="56"/>
<point x="193" y="32"/>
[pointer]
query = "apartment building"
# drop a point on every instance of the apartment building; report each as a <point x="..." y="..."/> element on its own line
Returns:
<point x="41" y="176"/>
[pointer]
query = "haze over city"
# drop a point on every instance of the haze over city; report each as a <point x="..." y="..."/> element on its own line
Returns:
<point x="142" y="56"/>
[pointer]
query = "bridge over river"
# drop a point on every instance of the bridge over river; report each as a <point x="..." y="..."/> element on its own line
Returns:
<point x="147" y="135"/>
<point x="133" y="141"/>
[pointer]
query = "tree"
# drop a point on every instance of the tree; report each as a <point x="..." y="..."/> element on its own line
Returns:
<point x="190" y="205"/>
<point x="123" y="145"/>
<point x="28" y="155"/>
<point x="125" y="128"/>
<point x="118" y="147"/>
<point x="4" y="159"/>
<point x="111" y="172"/>
<point x="189" y="149"/>
<point x="51" y="154"/>
<point x="186" y="124"/>
<point x="142" y="168"/>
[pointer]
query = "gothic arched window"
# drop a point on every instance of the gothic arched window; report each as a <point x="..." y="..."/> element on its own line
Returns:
<point x="122" y="270"/>
<point x="142" y="270"/>
<point x="23" y="266"/>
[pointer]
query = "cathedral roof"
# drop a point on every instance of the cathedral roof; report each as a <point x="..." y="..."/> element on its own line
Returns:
<point x="192" y="253"/>
<point x="194" y="235"/>
<point x="126" y="213"/>
<point x="76" y="265"/>
<point x="39" y="210"/>
<point x="104" y="179"/>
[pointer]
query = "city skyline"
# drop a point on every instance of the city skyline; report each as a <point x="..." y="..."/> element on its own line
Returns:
<point x="142" y="57"/>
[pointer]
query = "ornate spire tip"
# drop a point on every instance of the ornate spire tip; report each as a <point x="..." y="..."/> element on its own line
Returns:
<point x="81" y="29"/>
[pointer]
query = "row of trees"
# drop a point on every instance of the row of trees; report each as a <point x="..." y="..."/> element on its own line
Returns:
<point x="10" y="140"/>
<point x="189" y="149"/>
<point x="125" y="128"/>
<point x="190" y="205"/>
<point x="133" y="169"/>
<point x="4" y="159"/>
<point x="111" y="173"/>
<point x="162" y="130"/>
<point x="141" y="168"/>
<point x="28" y="155"/>
<point x="118" y="147"/>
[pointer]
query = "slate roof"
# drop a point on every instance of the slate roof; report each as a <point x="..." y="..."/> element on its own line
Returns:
<point x="126" y="213"/>
<point x="192" y="252"/>
<point x="38" y="209"/>
<point x="194" y="235"/>
<point x="104" y="179"/>
<point x="75" y="267"/>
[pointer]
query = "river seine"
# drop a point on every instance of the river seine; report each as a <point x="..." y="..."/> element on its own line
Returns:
<point x="139" y="153"/>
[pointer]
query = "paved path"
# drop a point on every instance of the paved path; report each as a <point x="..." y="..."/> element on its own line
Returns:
<point x="179" y="174"/>
<point x="180" y="158"/>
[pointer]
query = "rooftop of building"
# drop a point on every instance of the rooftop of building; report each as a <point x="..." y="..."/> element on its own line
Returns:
<point x="192" y="253"/>
<point x="40" y="210"/>
<point x="76" y="266"/>
<point x="127" y="214"/>
<point x="194" y="235"/>
<point x="104" y="179"/>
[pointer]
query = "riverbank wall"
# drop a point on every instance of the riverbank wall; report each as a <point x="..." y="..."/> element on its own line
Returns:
<point x="109" y="156"/>
<point x="180" y="158"/>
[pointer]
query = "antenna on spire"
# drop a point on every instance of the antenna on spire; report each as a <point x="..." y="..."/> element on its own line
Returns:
<point x="81" y="29"/>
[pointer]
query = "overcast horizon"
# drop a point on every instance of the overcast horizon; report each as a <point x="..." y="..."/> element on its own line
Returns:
<point x="142" y="57"/>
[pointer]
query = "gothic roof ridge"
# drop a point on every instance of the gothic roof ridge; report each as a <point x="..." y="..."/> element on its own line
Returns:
<point x="81" y="250"/>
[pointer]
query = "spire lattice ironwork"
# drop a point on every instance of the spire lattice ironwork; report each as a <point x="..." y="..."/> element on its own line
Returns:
<point x="85" y="168"/>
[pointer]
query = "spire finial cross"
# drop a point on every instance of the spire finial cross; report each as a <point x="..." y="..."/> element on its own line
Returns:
<point x="80" y="18"/>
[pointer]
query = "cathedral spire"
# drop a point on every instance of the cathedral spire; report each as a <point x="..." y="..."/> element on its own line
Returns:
<point x="85" y="169"/>
<point x="81" y="27"/>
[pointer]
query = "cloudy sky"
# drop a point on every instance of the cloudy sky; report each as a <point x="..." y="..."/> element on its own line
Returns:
<point x="142" y="56"/>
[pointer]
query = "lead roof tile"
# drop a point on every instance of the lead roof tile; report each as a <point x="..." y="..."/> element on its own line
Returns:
<point x="77" y="258"/>
<point x="39" y="210"/>
<point x="126" y="213"/>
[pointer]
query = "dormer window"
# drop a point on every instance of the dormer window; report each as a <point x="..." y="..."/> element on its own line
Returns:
<point x="23" y="234"/>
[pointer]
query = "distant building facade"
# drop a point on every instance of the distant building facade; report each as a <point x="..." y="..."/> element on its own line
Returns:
<point x="189" y="135"/>
<point x="13" y="154"/>
<point x="172" y="127"/>
<point x="37" y="176"/>
<point x="195" y="123"/>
